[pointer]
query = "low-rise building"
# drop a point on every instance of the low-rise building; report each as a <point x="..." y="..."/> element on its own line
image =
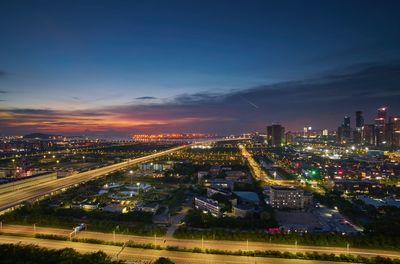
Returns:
<point x="207" y="205"/>
<point x="214" y="190"/>
<point x="234" y="175"/>
<point x="242" y="210"/>
<point x="248" y="197"/>
<point x="115" y="208"/>
<point x="357" y="186"/>
<point x="201" y="175"/>
<point x="218" y="183"/>
<point x="150" y="207"/>
<point x="287" y="197"/>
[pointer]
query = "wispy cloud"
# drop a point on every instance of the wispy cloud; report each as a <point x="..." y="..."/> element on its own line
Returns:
<point x="322" y="100"/>
<point x="146" y="98"/>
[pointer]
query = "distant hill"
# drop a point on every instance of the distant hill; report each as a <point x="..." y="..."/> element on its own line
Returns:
<point x="39" y="135"/>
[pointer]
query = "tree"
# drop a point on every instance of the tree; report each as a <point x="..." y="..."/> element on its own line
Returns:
<point x="265" y="216"/>
<point x="163" y="260"/>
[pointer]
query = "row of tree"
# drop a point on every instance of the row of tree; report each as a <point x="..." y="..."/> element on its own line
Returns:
<point x="17" y="253"/>
<point x="325" y="239"/>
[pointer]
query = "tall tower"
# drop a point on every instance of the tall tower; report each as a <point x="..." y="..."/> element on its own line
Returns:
<point x="382" y="113"/>
<point x="275" y="135"/>
<point x="359" y="120"/>
<point x="357" y="133"/>
<point x="346" y="121"/>
<point x="380" y="122"/>
<point x="344" y="131"/>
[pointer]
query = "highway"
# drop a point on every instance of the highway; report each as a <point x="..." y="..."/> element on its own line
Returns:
<point x="145" y="255"/>
<point x="259" y="173"/>
<point x="11" y="199"/>
<point x="190" y="243"/>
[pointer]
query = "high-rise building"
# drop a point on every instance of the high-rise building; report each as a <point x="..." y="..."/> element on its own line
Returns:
<point x="368" y="135"/>
<point x="396" y="131"/>
<point x="344" y="131"/>
<point x="393" y="132"/>
<point x="357" y="136"/>
<point x="357" y="133"/>
<point x="346" y="121"/>
<point x="275" y="135"/>
<point x="359" y="119"/>
<point x="289" y="136"/>
<point x="380" y="129"/>
<point x="382" y="113"/>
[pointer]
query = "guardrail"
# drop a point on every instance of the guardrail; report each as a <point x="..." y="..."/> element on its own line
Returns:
<point x="16" y="185"/>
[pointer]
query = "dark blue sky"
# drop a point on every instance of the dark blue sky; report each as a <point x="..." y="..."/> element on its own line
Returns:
<point x="124" y="60"/>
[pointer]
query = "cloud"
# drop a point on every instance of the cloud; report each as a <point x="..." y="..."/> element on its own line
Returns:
<point x="3" y="92"/>
<point x="146" y="98"/>
<point x="2" y="73"/>
<point x="320" y="102"/>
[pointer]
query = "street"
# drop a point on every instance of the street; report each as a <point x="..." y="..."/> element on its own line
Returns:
<point x="135" y="255"/>
<point x="189" y="243"/>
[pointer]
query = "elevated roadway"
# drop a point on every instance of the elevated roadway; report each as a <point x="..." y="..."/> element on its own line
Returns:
<point x="31" y="193"/>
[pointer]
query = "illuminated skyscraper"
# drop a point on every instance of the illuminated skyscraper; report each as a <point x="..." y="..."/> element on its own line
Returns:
<point x="393" y="132"/>
<point x="380" y="122"/>
<point x="396" y="131"/>
<point x="357" y="133"/>
<point x="382" y="113"/>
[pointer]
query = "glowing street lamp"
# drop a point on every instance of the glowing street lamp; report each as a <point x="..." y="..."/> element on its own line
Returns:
<point x="131" y="173"/>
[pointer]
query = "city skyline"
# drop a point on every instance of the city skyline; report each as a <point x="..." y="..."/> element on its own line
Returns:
<point x="111" y="70"/>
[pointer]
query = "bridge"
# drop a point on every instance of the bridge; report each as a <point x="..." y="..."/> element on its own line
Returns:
<point x="32" y="192"/>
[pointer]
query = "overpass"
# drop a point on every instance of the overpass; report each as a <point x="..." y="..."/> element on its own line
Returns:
<point x="12" y="199"/>
<point x="31" y="192"/>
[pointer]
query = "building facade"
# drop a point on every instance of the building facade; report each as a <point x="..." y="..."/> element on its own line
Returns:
<point x="288" y="198"/>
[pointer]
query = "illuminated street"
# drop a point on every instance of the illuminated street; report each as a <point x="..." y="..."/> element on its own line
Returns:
<point x="217" y="244"/>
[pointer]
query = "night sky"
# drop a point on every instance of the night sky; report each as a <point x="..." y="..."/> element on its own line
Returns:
<point x="112" y="68"/>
